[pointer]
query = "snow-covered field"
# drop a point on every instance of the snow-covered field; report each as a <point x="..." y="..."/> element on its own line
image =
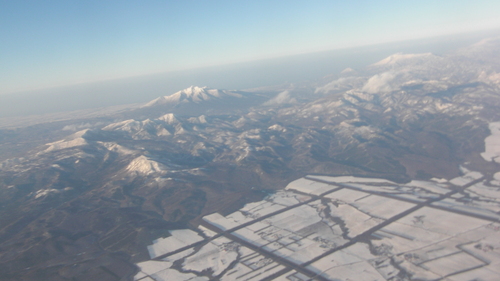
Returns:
<point x="353" y="228"/>
<point x="180" y="238"/>
<point x="310" y="187"/>
<point x="492" y="144"/>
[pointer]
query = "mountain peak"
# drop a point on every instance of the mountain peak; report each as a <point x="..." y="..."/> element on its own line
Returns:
<point x="193" y="94"/>
<point x="169" y="118"/>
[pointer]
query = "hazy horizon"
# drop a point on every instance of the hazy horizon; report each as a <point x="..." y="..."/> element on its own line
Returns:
<point x="54" y="43"/>
<point x="238" y="76"/>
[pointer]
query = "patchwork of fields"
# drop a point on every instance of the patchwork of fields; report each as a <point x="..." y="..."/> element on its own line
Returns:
<point x="334" y="228"/>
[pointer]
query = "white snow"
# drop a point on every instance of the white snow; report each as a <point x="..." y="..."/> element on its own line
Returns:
<point x="380" y="83"/>
<point x="292" y="275"/>
<point x="145" y="129"/>
<point x="250" y="236"/>
<point x="382" y="207"/>
<point x="277" y="127"/>
<point x="343" y="179"/>
<point x="264" y="272"/>
<point x="191" y="94"/>
<point x="492" y="144"/>
<point x="261" y="208"/>
<point x="73" y="140"/>
<point x="336" y="259"/>
<point x="496" y="179"/>
<point x="211" y="256"/>
<point x="180" y="238"/>
<point x="198" y="120"/>
<point x="417" y="272"/>
<point x="400" y="57"/>
<point x="346" y="195"/>
<point x="429" y="243"/>
<point x="151" y="267"/>
<point x="402" y="238"/>
<point x="438" y="188"/>
<point x="306" y="254"/>
<point x="483" y="274"/>
<point x="439" y="180"/>
<point x="452" y="264"/>
<point x="248" y="213"/>
<point x="45" y="192"/>
<point x="113" y="146"/>
<point x="169" y="118"/>
<point x="282" y="98"/>
<point x="355" y="221"/>
<point x="206" y="231"/>
<point x="467" y="178"/>
<point x="353" y="254"/>
<point x="174" y="275"/>
<point x="219" y="221"/>
<point x="143" y="165"/>
<point x="487" y="209"/>
<point x="179" y="255"/>
<point x="238" y="270"/>
<point x="490" y="192"/>
<point x="310" y="187"/>
<point x="360" y="271"/>
<point x="121" y="125"/>
<point x="286" y="198"/>
<point x="441" y="221"/>
<point x="295" y="219"/>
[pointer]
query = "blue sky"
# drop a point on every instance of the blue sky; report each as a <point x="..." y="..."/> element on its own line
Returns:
<point x="52" y="43"/>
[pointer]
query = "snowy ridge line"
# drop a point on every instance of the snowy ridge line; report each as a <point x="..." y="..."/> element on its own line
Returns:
<point x="207" y="240"/>
<point x="427" y="203"/>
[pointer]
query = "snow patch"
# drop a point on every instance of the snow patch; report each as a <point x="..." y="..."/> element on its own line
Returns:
<point x="213" y="256"/>
<point x="492" y="144"/>
<point x="143" y="165"/>
<point x="277" y="127"/>
<point x="113" y="146"/>
<point x="198" y="120"/>
<point x="73" y="140"/>
<point x="169" y="118"/>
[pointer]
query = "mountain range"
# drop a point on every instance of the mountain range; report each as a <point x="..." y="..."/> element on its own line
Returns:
<point x="80" y="199"/>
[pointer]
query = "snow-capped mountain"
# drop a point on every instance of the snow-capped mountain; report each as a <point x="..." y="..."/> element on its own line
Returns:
<point x="192" y="94"/>
<point x="201" y="100"/>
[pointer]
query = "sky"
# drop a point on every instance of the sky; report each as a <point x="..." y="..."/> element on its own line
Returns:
<point x="46" y="44"/>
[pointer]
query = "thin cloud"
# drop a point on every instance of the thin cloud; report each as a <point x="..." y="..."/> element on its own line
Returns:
<point x="380" y="83"/>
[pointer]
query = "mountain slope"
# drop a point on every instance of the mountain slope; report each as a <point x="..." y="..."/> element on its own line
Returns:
<point x="95" y="198"/>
